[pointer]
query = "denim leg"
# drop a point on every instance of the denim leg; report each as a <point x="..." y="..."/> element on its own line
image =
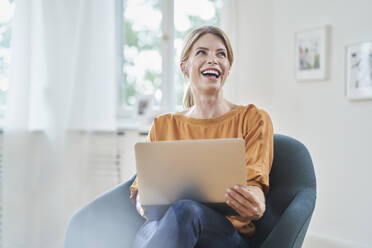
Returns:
<point x="188" y="224"/>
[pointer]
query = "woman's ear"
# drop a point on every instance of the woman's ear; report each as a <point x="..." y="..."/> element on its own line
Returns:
<point x="184" y="68"/>
<point x="228" y="72"/>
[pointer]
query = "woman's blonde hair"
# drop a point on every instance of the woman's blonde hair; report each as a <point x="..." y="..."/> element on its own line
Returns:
<point x="190" y="40"/>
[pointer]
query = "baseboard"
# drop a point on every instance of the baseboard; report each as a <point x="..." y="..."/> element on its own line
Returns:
<point x="321" y="241"/>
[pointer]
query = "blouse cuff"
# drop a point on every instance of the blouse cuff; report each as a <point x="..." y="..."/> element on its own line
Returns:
<point x="264" y="188"/>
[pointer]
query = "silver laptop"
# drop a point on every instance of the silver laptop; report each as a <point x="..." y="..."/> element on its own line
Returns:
<point x="200" y="170"/>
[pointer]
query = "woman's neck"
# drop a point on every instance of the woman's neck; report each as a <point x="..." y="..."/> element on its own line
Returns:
<point x="209" y="106"/>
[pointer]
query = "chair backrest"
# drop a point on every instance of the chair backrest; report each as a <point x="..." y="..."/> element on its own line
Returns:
<point x="292" y="172"/>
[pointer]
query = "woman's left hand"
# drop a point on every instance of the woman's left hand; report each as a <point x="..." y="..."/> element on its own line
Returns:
<point x="247" y="201"/>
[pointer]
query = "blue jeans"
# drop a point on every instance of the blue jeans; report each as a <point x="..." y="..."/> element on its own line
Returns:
<point x="188" y="224"/>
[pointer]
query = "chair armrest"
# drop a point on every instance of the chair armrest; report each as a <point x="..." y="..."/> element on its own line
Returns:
<point x="111" y="220"/>
<point x="292" y="226"/>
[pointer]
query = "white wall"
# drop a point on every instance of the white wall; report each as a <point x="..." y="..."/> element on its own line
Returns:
<point x="338" y="132"/>
<point x="249" y="27"/>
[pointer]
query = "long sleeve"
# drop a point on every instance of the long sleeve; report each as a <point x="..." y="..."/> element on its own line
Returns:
<point x="134" y="187"/>
<point x="259" y="141"/>
<point x="248" y="122"/>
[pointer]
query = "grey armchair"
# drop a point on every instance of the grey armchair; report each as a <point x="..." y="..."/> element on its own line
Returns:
<point x="111" y="220"/>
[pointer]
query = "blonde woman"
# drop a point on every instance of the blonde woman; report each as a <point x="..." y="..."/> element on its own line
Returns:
<point x="206" y="60"/>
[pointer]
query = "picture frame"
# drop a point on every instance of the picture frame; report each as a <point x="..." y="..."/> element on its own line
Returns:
<point x="311" y="47"/>
<point x="359" y="71"/>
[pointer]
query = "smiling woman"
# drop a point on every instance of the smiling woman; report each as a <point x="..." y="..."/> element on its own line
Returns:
<point x="209" y="59"/>
<point x="205" y="61"/>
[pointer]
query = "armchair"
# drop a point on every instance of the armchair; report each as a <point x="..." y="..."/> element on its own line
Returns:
<point x="111" y="220"/>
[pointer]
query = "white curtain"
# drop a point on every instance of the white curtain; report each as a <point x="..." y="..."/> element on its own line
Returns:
<point x="64" y="74"/>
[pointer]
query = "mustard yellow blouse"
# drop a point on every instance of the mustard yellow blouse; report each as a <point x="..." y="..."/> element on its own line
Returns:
<point x="247" y="122"/>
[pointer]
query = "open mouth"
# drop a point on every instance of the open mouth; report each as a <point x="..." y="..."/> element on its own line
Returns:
<point x="211" y="73"/>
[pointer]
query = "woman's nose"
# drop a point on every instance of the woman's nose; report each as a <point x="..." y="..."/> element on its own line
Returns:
<point x="212" y="60"/>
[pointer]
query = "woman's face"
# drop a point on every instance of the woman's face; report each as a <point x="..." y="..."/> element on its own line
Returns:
<point x="208" y="65"/>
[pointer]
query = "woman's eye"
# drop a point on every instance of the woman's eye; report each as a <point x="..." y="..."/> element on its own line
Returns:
<point x="200" y="52"/>
<point x="223" y="54"/>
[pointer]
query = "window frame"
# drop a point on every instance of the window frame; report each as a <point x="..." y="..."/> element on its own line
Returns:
<point x="168" y="100"/>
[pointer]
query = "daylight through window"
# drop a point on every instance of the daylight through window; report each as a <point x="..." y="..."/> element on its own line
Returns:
<point x="143" y="50"/>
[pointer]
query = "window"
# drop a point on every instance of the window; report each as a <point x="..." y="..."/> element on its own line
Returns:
<point x="153" y="36"/>
<point x="6" y="13"/>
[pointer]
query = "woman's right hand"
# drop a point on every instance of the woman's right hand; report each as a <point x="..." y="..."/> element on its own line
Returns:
<point x="139" y="207"/>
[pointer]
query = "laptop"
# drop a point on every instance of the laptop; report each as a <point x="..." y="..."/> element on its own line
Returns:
<point x="200" y="170"/>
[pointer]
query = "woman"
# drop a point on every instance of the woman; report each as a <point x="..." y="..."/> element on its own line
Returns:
<point x="206" y="60"/>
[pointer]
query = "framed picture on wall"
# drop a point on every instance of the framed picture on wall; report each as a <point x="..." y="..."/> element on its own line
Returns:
<point x="359" y="71"/>
<point x="311" y="53"/>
